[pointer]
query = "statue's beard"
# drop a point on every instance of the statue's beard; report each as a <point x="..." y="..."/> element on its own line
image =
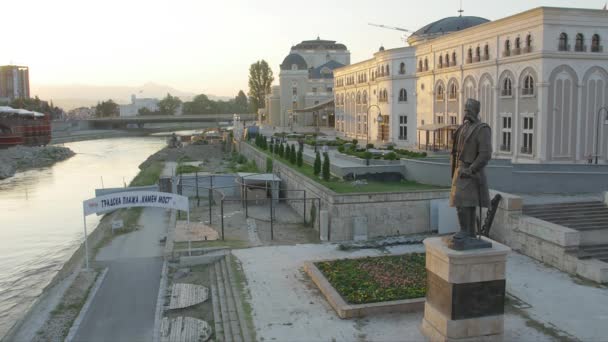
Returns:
<point x="471" y="118"/>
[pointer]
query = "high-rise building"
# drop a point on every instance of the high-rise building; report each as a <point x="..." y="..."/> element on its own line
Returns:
<point x="14" y="82"/>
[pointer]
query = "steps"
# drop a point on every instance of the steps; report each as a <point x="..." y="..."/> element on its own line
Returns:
<point x="590" y="218"/>
<point x="229" y="315"/>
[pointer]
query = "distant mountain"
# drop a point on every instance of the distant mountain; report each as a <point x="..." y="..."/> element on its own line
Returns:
<point x="82" y="95"/>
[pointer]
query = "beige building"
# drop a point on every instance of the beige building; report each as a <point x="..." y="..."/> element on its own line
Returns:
<point x="305" y="91"/>
<point x="540" y="75"/>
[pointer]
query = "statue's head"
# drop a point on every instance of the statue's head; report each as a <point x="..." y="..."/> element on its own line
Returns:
<point x="471" y="110"/>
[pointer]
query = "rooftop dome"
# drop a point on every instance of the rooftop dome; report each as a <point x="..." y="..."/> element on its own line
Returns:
<point x="294" y="59"/>
<point x="443" y="26"/>
<point x="319" y="44"/>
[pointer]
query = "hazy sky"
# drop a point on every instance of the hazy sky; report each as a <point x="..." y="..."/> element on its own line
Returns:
<point x="207" y="46"/>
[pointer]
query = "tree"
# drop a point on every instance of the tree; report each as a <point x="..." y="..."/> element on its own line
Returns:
<point x="240" y="103"/>
<point x="268" y="164"/>
<point x="145" y="111"/>
<point x="317" y="165"/>
<point x="281" y="150"/>
<point x="106" y="109"/>
<point x="300" y="159"/>
<point x="260" y="80"/>
<point x="292" y="155"/>
<point x="287" y="152"/>
<point x="169" y="105"/>
<point x="325" y="166"/>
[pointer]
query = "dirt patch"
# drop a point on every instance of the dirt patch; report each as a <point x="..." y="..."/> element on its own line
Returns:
<point x="58" y="324"/>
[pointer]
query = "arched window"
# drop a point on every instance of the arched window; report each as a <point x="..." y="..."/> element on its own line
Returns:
<point x="563" y="42"/>
<point x="439" y="94"/>
<point x="358" y="97"/>
<point x="517" y="43"/>
<point x="382" y="71"/>
<point x="447" y="60"/>
<point x="470" y="55"/>
<point x="402" y="95"/>
<point x="595" y="43"/>
<point x="426" y="64"/>
<point x="529" y="42"/>
<point x="477" y="54"/>
<point x="453" y="92"/>
<point x="507" y="48"/>
<point x="441" y="61"/>
<point x="365" y="97"/>
<point x="486" y="52"/>
<point x="402" y="68"/>
<point x="580" y="43"/>
<point x="453" y="58"/>
<point x="420" y="65"/>
<point x="528" y="88"/>
<point x="387" y="72"/>
<point x="506" y="87"/>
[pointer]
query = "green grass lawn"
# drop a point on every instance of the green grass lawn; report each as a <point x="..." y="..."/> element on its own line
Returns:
<point x="184" y="168"/>
<point x="148" y="175"/>
<point x="341" y="186"/>
<point x="377" y="279"/>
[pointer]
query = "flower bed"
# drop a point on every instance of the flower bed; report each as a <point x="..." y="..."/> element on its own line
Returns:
<point x="377" y="279"/>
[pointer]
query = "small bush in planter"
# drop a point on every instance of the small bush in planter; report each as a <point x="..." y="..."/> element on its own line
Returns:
<point x="341" y="148"/>
<point x="390" y="156"/>
<point x="370" y="145"/>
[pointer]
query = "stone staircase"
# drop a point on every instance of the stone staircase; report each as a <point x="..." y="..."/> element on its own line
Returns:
<point x="590" y="218"/>
<point x="230" y="322"/>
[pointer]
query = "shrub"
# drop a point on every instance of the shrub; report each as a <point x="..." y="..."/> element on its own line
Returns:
<point x="268" y="164"/>
<point x="369" y="146"/>
<point x="355" y="142"/>
<point x="317" y="164"/>
<point x="271" y="148"/>
<point x="287" y="152"/>
<point x="390" y="156"/>
<point x="241" y="159"/>
<point x="325" y="166"/>
<point x="390" y="147"/>
<point x="281" y="150"/>
<point x="292" y="155"/>
<point x="300" y="159"/>
<point x="367" y="155"/>
<point x="341" y="148"/>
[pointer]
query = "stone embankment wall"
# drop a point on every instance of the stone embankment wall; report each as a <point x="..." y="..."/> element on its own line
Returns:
<point x="21" y="158"/>
<point x="381" y="214"/>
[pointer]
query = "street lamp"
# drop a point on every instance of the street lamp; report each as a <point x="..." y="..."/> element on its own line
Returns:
<point x="378" y="119"/>
<point x="597" y="131"/>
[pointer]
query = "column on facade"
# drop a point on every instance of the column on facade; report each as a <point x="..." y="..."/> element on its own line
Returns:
<point x="515" y="124"/>
<point x="496" y="119"/>
<point x="578" y="153"/>
<point x="542" y="121"/>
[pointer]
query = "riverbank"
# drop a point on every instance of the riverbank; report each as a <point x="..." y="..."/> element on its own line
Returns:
<point x="21" y="158"/>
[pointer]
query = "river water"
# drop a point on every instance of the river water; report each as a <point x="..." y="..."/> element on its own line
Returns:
<point x="41" y="214"/>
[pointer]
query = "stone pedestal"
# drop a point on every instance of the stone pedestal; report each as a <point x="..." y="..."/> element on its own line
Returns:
<point x="465" y="292"/>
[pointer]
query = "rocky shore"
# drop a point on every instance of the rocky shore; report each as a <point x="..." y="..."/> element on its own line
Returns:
<point x="20" y="158"/>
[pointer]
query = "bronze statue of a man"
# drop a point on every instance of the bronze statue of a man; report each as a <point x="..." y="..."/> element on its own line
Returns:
<point x="471" y="151"/>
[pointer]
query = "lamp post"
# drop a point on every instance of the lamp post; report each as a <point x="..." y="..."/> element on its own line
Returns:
<point x="378" y="119"/>
<point x="597" y="131"/>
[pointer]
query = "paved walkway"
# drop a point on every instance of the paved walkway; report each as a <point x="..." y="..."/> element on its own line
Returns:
<point x="288" y="307"/>
<point x="123" y="308"/>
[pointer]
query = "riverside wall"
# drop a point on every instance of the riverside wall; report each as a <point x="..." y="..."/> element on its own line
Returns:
<point x="379" y="214"/>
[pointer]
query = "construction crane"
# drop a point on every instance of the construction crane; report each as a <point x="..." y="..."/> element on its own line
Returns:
<point x="391" y="27"/>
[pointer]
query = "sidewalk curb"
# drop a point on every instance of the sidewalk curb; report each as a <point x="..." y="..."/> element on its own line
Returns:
<point x="158" y="316"/>
<point x="85" y="307"/>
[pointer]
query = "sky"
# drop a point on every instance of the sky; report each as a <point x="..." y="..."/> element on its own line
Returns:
<point x="204" y="46"/>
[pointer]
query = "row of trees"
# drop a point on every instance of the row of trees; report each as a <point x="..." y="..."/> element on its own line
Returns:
<point x="201" y="104"/>
<point x="35" y="104"/>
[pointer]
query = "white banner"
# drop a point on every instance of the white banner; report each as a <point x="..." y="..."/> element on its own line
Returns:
<point x="130" y="199"/>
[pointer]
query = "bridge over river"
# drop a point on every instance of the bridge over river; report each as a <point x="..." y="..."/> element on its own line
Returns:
<point x="140" y="121"/>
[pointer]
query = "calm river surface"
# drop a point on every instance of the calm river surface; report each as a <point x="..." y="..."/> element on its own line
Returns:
<point x="41" y="214"/>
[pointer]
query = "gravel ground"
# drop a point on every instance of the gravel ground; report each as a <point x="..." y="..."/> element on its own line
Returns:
<point x="21" y="158"/>
<point x="288" y="307"/>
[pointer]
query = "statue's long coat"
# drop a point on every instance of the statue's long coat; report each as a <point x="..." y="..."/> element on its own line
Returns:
<point x="475" y="153"/>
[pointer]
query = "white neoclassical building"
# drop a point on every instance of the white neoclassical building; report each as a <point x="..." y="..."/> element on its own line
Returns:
<point x="306" y="84"/>
<point x="541" y="77"/>
<point x="384" y="85"/>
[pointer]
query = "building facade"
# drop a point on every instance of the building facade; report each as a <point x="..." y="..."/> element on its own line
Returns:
<point x="384" y="85"/>
<point x="541" y="77"/>
<point x="132" y="109"/>
<point x="14" y="82"/>
<point x="305" y="82"/>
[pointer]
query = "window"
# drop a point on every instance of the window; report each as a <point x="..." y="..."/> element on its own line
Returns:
<point x="382" y="71"/>
<point x="329" y="89"/>
<point x="358" y="98"/>
<point x="402" y="68"/>
<point x="528" y="135"/>
<point x="453" y="92"/>
<point x="507" y="52"/>
<point x="563" y="42"/>
<point x="440" y="93"/>
<point x="365" y="97"/>
<point x="528" y="88"/>
<point x="387" y="72"/>
<point x="426" y="64"/>
<point x="440" y="118"/>
<point x="506" y="88"/>
<point x="294" y="91"/>
<point x="529" y="43"/>
<point x="402" y="127"/>
<point x="453" y="58"/>
<point x="595" y="43"/>
<point x="441" y="61"/>
<point x="447" y="60"/>
<point x="579" y="46"/>
<point x="506" y="134"/>
<point x="420" y="65"/>
<point x="402" y="95"/>
<point x="517" y="43"/>
<point x="452" y="119"/>
<point x="470" y="55"/>
<point x="477" y="54"/>
<point x="486" y="52"/>
<point x="314" y="90"/>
